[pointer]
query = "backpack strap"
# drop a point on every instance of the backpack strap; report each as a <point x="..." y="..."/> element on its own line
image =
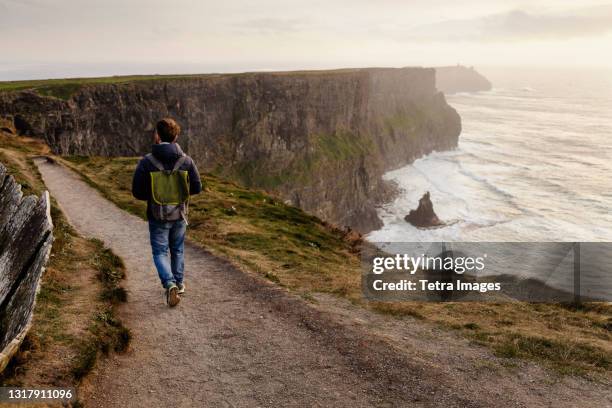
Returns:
<point x="155" y="162"/>
<point x="179" y="162"/>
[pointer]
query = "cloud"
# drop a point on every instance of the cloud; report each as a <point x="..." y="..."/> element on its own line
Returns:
<point x="517" y="25"/>
<point x="268" y="25"/>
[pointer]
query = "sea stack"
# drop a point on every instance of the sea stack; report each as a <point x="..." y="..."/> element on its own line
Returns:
<point x="424" y="216"/>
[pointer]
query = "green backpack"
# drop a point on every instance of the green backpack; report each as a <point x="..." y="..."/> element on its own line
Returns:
<point x="169" y="191"/>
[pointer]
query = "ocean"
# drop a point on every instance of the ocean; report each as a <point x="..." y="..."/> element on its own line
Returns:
<point x="534" y="163"/>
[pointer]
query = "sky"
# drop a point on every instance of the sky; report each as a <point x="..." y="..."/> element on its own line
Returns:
<point x="62" y="38"/>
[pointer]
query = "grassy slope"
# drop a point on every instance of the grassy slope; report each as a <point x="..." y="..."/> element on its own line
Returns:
<point x="74" y="316"/>
<point x="305" y="255"/>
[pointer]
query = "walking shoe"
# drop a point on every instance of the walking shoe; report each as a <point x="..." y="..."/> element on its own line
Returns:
<point x="172" y="297"/>
<point x="181" y="288"/>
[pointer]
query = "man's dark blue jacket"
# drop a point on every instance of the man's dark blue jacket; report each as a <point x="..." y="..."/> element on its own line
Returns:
<point x="167" y="154"/>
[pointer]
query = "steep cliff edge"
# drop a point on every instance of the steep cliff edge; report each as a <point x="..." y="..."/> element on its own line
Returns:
<point x="320" y="139"/>
<point x="460" y="79"/>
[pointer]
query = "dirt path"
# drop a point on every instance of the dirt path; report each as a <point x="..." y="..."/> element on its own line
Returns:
<point x="237" y="341"/>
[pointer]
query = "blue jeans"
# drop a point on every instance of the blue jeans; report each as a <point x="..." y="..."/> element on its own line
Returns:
<point x="168" y="236"/>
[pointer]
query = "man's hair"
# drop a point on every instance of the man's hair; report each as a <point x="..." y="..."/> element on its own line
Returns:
<point x="168" y="130"/>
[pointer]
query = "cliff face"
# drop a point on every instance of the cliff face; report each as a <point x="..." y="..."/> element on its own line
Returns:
<point x="320" y="139"/>
<point x="460" y="79"/>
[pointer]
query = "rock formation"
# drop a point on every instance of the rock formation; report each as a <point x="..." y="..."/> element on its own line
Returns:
<point x="7" y="125"/>
<point x="424" y="216"/>
<point x="321" y="139"/>
<point x="25" y="243"/>
<point x="460" y="79"/>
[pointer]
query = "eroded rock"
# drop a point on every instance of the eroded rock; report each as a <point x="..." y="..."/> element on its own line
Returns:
<point x="25" y="243"/>
<point x="424" y="216"/>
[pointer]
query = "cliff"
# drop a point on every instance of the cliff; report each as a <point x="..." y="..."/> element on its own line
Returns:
<point x="460" y="79"/>
<point x="320" y="139"/>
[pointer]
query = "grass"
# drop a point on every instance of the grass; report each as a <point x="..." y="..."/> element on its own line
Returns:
<point x="407" y="122"/>
<point x="111" y="271"/>
<point x="563" y="355"/>
<point x="65" y="88"/>
<point x="107" y="333"/>
<point x="81" y="282"/>
<point x="327" y="154"/>
<point x="342" y="145"/>
<point x="306" y="255"/>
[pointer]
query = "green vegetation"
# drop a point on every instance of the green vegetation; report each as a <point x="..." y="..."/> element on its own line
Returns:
<point x="306" y="255"/>
<point x="107" y="333"/>
<point x="342" y="146"/>
<point x="68" y="332"/>
<point x="401" y="121"/>
<point x="326" y="154"/>
<point x="111" y="271"/>
<point x="408" y="121"/>
<point x="65" y="88"/>
<point x="566" y="356"/>
<point x="256" y="173"/>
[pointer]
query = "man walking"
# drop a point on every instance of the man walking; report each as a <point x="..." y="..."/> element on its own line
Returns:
<point x="165" y="178"/>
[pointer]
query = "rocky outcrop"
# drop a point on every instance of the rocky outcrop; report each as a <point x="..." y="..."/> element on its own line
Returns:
<point x="25" y="243"/>
<point x="460" y="79"/>
<point x="7" y="125"/>
<point x="424" y="216"/>
<point x="321" y="139"/>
